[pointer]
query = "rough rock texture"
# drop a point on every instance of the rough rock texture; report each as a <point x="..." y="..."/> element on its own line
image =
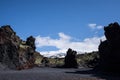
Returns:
<point x="26" y="55"/>
<point x="110" y="48"/>
<point x="9" y="44"/>
<point x="70" y="59"/>
<point x="15" y="53"/>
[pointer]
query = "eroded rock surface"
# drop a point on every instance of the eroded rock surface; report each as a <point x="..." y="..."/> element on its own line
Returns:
<point x="14" y="52"/>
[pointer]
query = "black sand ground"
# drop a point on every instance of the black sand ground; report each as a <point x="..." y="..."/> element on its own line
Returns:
<point x="54" y="74"/>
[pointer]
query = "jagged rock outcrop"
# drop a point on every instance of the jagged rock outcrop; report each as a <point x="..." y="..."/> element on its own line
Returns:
<point x="9" y="44"/>
<point x="31" y="42"/>
<point x="70" y="59"/>
<point x="110" y="49"/>
<point x="15" y="53"/>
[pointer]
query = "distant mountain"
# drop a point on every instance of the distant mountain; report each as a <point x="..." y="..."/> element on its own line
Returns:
<point x="59" y="55"/>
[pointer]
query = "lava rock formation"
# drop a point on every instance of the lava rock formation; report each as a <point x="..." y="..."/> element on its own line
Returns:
<point x="14" y="52"/>
<point x="109" y="49"/>
<point x="70" y="59"/>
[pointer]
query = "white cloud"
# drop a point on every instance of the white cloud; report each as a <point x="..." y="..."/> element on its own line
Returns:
<point x="64" y="42"/>
<point x="63" y="36"/>
<point x="58" y="43"/>
<point x="99" y="27"/>
<point x="92" y="26"/>
<point x="95" y="26"/>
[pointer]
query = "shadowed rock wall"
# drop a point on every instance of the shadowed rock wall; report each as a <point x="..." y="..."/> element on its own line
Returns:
<point x="15" y="53"/>
<point x="110" y="48"/>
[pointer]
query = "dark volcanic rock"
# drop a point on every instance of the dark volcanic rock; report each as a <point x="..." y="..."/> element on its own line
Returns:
<point x="9" y="44"/>
<point x="110" y="48"/>
<point x="31" y="42"/>
<point x="70" y="59"/>
<point x="15" y="53"/>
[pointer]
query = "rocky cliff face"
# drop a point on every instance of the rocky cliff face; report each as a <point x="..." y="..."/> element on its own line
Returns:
<point x="15" y="53"/>
<point x="110" y="48"/>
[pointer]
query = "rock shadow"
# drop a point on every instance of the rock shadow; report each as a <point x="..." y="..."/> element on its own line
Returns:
<point x="98" y="74"/>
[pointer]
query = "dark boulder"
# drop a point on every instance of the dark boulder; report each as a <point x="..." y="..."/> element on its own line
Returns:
<point x="70" y="59"/>
<point x="31" y="42"/>
<point x="45" y="61"/>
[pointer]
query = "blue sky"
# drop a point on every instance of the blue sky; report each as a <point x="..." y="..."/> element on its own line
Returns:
<point x="72" y="21"/>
